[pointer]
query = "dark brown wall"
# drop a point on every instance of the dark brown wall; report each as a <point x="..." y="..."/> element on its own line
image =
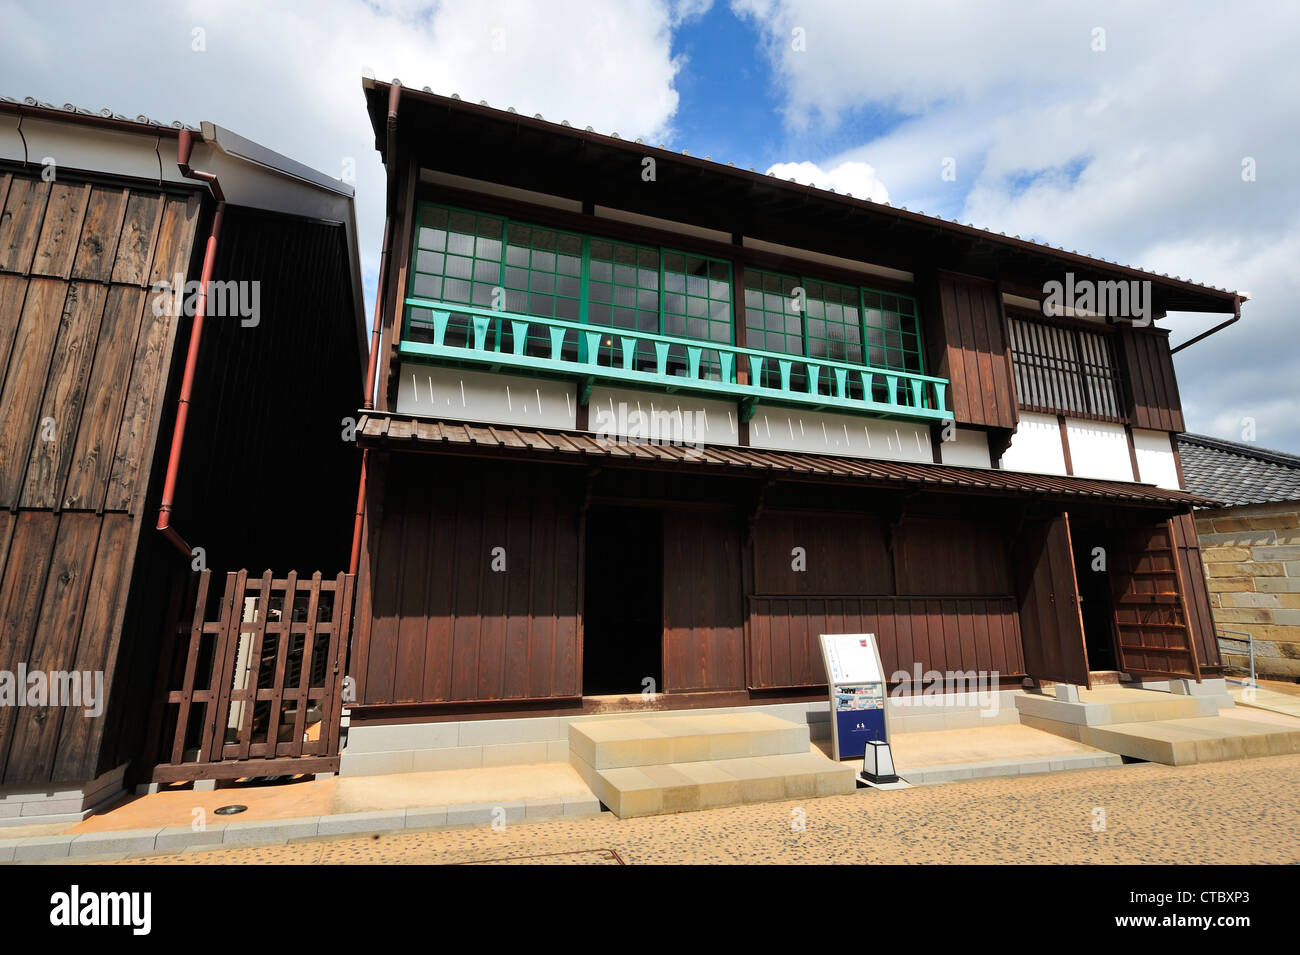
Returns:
<point x="1049" y="602"/>
<point x="846" y="554"/>
<point x="704" y="622"/>
<point x="940" y="634"/>
<point x="966" y="343"/>
<point x="436" y="623"/>
<point x="944" y="556"/>
<point x="1197" y="596"/>
<point x="84" y="364"/>
<point x="1152" y="388"/>
<point x="268" y="480"/>
<point x="849" y="587"/>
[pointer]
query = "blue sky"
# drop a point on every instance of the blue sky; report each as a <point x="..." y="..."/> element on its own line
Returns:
<point x="1117" y="128"/>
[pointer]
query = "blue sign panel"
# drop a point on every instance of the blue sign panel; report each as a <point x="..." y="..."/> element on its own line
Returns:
<point x="855" y="727"/>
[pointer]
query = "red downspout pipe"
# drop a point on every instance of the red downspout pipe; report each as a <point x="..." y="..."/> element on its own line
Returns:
<point x="184" y="146"/>
<point x="368" y="400"/>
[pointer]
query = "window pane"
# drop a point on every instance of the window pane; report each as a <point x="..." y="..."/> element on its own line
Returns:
<point x="706" y="304"/>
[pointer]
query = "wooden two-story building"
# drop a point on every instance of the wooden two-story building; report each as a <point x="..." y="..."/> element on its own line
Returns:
<point x="644" y="424"/>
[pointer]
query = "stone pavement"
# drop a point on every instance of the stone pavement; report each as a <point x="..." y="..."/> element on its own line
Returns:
<point x="1232" y="812"/>
<point x="1272" y="695"/>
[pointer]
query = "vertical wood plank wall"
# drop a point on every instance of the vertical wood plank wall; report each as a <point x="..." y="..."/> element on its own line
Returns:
<point x="1050" y="621"/>
<point x="439" y="624"/>
<point x="968" y="346"/>
<point x="1152" y="389"/>
<point x="1200" y="616"/>
<point x="84" y="357"/>
<point x="952" y="607"/>
<point x="704" y="622"/>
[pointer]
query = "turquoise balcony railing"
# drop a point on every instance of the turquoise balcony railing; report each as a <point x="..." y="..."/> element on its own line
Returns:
<point x="442" y="331"/>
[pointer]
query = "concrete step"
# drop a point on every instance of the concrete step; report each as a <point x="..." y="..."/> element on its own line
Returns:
<point x="1107" y="705"/>
<point x="708" y="784"/>
<point x="662" y="740"/>
<point x="1184" y="742"/>
<point x="1181" y="742"/>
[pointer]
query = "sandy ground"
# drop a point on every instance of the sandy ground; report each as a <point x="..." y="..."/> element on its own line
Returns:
<point x="1242" y="811"/>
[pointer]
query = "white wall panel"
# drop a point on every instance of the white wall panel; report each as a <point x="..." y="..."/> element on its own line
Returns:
<point x="661" y="418"/>
<point x="458" y="394"/>
<point x="787" y="429"/>
<point x="1155" y="456"/>
<point x="969" y="448"/>
<point x="1036" y="446"/>
<point x="1099" y="450"/>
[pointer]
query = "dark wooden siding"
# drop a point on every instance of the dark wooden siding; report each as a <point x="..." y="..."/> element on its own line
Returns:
<point x="438" y="624"/>
<point x="1152" y="619"/>
<point x="968" y="346"/>
<point x="265" y="440"/>
<point x="83" y="373"/>
<point x="1197" y="596"/>
<point x="1152" y="391"/>
<point x="959" y="633"/>
<point x="944" y="556"/>
<point x="704" y="624"/>
<point x="1049" y="603"/>
<point x="849" y="587"/>
<point x="845" y="554"/>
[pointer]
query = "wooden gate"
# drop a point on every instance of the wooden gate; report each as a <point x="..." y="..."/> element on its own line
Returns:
<point x="1151" y="619"/>
<point x="253" y="679"/>
<point x="1051" y="625"/>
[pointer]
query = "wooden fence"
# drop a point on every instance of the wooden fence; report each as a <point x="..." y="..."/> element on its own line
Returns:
<point x="253" y="678"/>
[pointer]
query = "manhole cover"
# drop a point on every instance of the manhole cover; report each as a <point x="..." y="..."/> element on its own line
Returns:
<point x="229" y="810"/>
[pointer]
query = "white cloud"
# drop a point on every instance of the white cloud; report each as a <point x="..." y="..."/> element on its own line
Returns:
<point x="857" y="178"/>
<point x="1132" y="153"/>
<point x="289" y="77"/>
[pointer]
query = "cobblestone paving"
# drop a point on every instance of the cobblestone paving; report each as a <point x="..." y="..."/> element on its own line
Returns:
<point x="1243" y="811"/>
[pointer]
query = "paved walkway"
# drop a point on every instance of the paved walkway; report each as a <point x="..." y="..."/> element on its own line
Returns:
<point x="1271" y="695"/>
<point x="1233" y="812"/>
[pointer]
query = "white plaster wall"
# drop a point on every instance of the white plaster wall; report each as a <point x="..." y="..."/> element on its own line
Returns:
<point x="1036" y="446"/>
<point x="462" y="395"/>
<point x="662" y="418"/>
<point x="968" y="448"/>
<point x="788" y="429"/>
<point x="1155" y="456"/>
<point x="1099" y="450"/>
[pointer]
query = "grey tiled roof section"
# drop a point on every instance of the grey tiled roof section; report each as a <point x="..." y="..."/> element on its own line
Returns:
<point x="106" y="113"/>
<point x="1238" y="473"/>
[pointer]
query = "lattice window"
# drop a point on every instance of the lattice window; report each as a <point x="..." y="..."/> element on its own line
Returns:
<point x="1064" y="369"/>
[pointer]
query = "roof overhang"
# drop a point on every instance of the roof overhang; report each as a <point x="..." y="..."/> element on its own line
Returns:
<point x="400" y="433"/>
<point x="476" y="141"/>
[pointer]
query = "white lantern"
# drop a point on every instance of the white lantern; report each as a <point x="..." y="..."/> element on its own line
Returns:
<point x="878" y="762"/>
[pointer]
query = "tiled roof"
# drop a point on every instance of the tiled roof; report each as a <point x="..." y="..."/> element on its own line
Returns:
<point x="982" y="232"/>
<point x="105" y="114"/>
<point x="393" y="432"/>
<point x="1238" y="473"/>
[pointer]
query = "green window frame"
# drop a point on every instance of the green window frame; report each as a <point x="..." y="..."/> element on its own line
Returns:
<point x="542" y="272"/>
<point x="893" y="330"/>
<point x="461" y="255"/>
<point x="833" y="322"/>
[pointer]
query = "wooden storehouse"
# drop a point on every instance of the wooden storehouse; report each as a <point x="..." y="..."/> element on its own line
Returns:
<point x="110" y="511"/>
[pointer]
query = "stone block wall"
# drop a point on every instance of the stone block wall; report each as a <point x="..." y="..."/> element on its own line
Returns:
<point x="1252" y="566"/>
